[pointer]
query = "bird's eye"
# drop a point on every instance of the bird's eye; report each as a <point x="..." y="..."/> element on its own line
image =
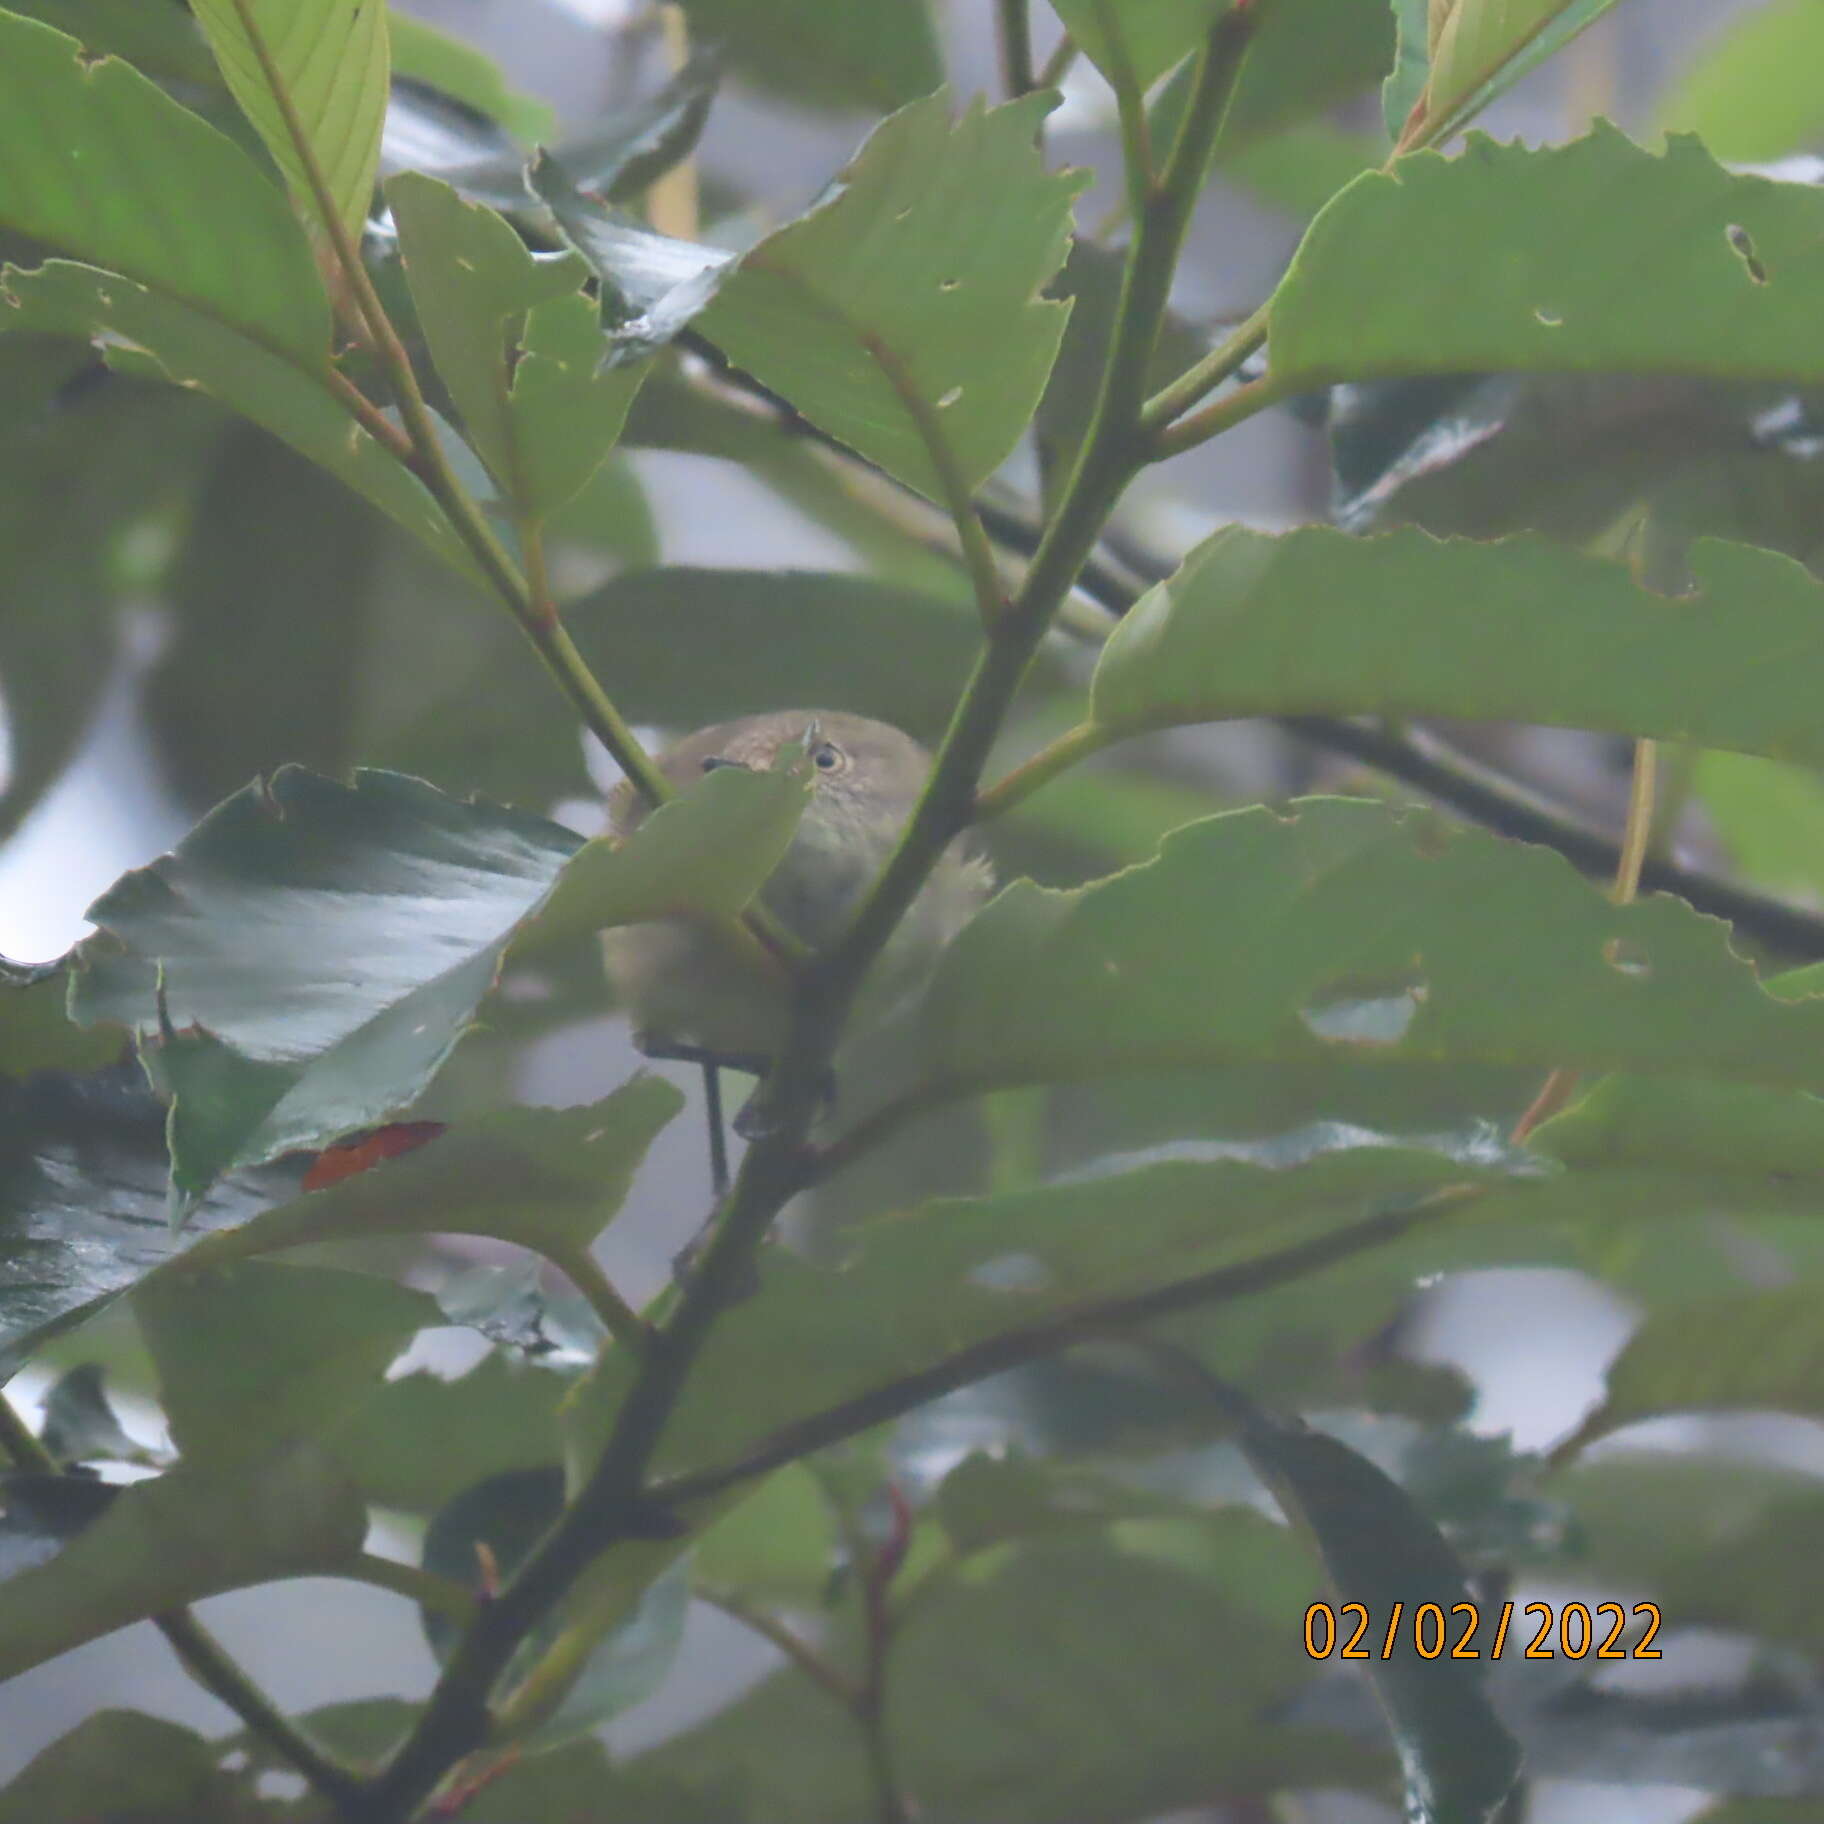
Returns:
<point x="826" y="758"/>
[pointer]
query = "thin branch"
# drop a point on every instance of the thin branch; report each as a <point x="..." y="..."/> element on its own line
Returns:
<point x="1196" y="382"/>
<point x="1057" y="65"/>
<point x="587" y="1275"/>
<point x="442" y="1595"/>
<point x="1044" y="766"/>
<point x="775" y="1633"/>
<point x="978" y="554"/>
<point x="1233" y="408"/>
<point x="1130" y="106"/>
<point x="201" y="1654"/>
<point x="1013" y="27"/>
<point x="1091" y="1321"/>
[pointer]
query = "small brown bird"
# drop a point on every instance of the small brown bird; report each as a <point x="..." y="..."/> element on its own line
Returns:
<point x="689" y="993"/>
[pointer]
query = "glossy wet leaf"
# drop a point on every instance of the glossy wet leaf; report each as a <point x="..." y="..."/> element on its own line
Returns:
<point x="311" y="75"/>
<point x="876" y="54"/>
<point x="83" y="1211"/>
<point x="258" y="1355"/>
<point x="1342" y="935"/>
<point x="515" y="341"/>
<point x="1590" y="257"/>
<point x="395" y="904"/>
<point x="920" y="273"/>
<point x="1458" y="1759"/>
<point x="1403" y="625"/>
<point x="190" y="1533"/>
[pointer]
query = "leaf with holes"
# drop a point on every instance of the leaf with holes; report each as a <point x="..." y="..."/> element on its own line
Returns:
<point x="311" y="75"/>
<point x="1341" y="928"/>
<point x="190" y="1533"/>
<point x="1592" y="257"/>
<point x="516" y="342"/>
<point x="911" y="294"/>
<point x="1318" y="622"/>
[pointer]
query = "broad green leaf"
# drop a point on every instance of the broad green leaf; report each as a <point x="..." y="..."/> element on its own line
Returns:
<point x="876" y="54"/>
<point x="1744" y="91"/>
<point x="158" y="40"/>
<point x="789" y="638"/>
<point x="1318" y="621"/>
<point x="421" y="53"/>
<point x="121" y="1764"/>
<point x="1305" y="57"/>
<point x="1756" y="1350"/>
<point x="515" y="341"/>
<point x="1300" y="169"/>
<point x="312" y="77"/>
<point x="82" y="1201"/>
<point x="191" y="1533"/>
<point x="1480" y="48"/>
<point x="920" y="274"/>
<point x="1458" y="1759"/>
<point x="255" y="1356"/>
<point x="1590" y="257"/>
<point x="1138" y="40"/>
<point x="1341" y="933"/>
<point x="549" y="1179"/>
<point x="415" y="1441"/>
<point x="1770" y="817"/>
<point x="321" y="948"/>
<point x="131" y="181"/>
<point x="934" y="1279"/>
<point x="290" y="394"/>
<point x="1404" y="89"/>
<point x="37" y="1033"/>
<point x="999" y="1695"/>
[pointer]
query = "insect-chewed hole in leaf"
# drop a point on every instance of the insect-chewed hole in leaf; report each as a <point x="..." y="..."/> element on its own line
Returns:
<point x="1741" y="243"/>
<point x="950" y="398"/>
<point x="1550" y="318"/>
<point x="1627" y="958"/>
<point x="1366" y="1009"/>
<point x="948" y="284"/>
<point x="1011" y="1273"/>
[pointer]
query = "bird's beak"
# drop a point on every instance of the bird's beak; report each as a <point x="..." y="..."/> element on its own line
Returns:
<point x="712" y="761"/>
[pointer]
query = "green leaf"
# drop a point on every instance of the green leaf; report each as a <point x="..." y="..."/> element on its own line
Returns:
<point x="925" y="1282"/>
<point x="37" y="1033"/>
<point x="1299" y="170"/>
<point x="921" y="273"/>
<point x="789" y="637"/>
<point x="1590" y="257"/>
<point x="159" y="40"/>
<point x="1318" y="621"/>
<point x="1306" y="56"/>
<point x="1404" y="89"/>
<point x="130" y="180"/>
<point x="1479" y="49"/>
<point x="1458" y="1759"/>
<point x="127" y="1768"/>
<point x="288" y="393"/>
<point x="421" y="53"/>
<point x="549" y="1179"/>
<point x="415" y="1441"/>
<point x="1342" y="934"/>
<point x="83" y="1202"/>
<point x="321" y="948"/>
<point x="1770" y="817"/>
<point x="1138" y="40"/>
<point x="1001" y="1695"/>
<point x="255" y="1356"/>
<point x="1760" y="1350"/>
<point x="876" y="54"/>
<point x="311" y="75"/>
<point x="1744" y="91"/>
<point x="191" y="1533"/>
<point x="515" y="341"/>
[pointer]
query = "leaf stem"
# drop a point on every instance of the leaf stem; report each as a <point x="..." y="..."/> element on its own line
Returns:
<point x="538" y="618"/>
<point x="1130" y="107"/>
<point x="586" y="1274"/>
<point x="201" y="1654"/>
<point x="1177" y="398"/>
<point x="1017" y="786"/>
<point x="1219" y="415"/>
<point x="775" y="1633"/>
<point x="442" y="1595"/>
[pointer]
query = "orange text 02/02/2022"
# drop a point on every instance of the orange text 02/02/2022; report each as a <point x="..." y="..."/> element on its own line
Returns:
<point x="1469" y="1630"/>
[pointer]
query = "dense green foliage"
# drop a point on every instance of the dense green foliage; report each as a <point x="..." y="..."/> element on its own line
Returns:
<point x="1074" y="1380"/>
